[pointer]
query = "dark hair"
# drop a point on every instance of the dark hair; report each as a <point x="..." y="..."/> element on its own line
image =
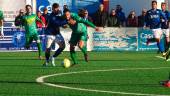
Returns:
<point x="66" y="10"/>
<point x="163" y="3"/>
<point x="154" y="2"/>
<point x="55" y="5"/>
<point x="81" y="12"/>
<point x="28" y="6"/>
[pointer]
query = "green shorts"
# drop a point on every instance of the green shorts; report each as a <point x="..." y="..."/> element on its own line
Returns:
<point x="30" y="38"/>
<point x="76" y="37"/>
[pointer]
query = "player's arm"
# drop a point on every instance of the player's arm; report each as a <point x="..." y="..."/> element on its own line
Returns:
<point x="60" y="21"/>
<point x="80" y="20"/>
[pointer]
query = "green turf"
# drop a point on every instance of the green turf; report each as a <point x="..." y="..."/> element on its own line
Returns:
<point x="18" y="73"/>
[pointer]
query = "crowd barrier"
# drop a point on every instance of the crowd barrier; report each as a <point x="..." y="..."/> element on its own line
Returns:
<point x="110" y="39"/>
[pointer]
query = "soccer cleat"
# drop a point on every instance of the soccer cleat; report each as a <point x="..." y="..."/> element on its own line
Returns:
<point x="52" y="60"/>
<point x="167" y="55"/>
<point x="86" y="57"/>
<point x="164" y="54"/>
<point x="40" y="58"/>
<point x="46" y="63"/>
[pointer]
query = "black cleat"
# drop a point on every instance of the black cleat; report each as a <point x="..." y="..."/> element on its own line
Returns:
<point x="167" y="55"/>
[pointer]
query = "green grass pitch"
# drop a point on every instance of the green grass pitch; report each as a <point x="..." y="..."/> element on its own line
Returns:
<point x="119" y="74"/>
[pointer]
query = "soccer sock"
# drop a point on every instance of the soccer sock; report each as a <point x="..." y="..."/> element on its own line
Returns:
<point x="73" y="56"/>
<point x="84" y="50"/>
<point x="161" y="47"/>
<point x="39" y="49"/>
<point x="58" y="52"/>
<point x="47" y="55"/>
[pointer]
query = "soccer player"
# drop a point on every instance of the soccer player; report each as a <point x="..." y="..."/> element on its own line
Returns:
<point x="154" y="17"/>
<point x="1" y="23"/>
<point x="79" y="34"/>
<point x="29" y="22"/>
<point x="53" y="34"/>
<point x="165" y="26"/>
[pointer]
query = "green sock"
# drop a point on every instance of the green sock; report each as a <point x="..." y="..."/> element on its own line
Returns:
<point x="73" y="56"/>
<point x="39" y="49"/>
<point x="84" y="49"/>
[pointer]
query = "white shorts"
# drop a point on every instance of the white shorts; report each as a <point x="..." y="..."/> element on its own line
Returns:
<point x="54" y="39"/>
<point x="157" y="33"/>
<point x="166" y="32"/>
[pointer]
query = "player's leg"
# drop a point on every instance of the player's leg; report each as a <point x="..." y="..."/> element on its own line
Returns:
<point x="73" y="42"/>
<point x="49" y="41"/>
<point x="167" y="39"/>
<point x="38" y="41"/>
<point x="83" y="46"/>
<point x="158" y="35"/>
<point x="29" y="40"/>
<point x="60" y="41"/>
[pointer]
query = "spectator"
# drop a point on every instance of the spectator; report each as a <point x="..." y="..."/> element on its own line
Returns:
<point x="132" y="20"/>
<point x="84" y="14"/>
<point x="39" y="24"/>
<point x="46" y="15"/>
<point x="100" y="17"/>
<point x="141" y="18"/>
<point x="65" y="7"/>
<point x="120" y="15"/>
<point x="18" y="18"/>
<point x="113" y="20"/>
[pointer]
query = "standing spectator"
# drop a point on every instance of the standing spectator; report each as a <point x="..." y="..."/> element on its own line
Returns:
<point x="46" y="15"/>
<point x="18" y="18"/>
<point x="141" y="18"/>
<point x="84" y="14"/>
<point x="1" y="23"/>
<point x="65" y="7"/>
<point x="39" y="24"/>
<point x="100" y="17"/>
<point x="132" y="20"/>
<point x="113" y="20"/>
<point x="120" y="15"/>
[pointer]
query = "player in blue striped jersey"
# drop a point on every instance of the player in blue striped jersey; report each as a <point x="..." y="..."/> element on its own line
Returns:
<point x="154" y="18"/>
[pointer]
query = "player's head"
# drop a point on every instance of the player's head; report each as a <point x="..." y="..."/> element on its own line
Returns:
<point x="67" y="14"/>
<point x="28" y="8"/>
<point x="163" y="6"/>
<point x="154" y="4"/>
<point x="55" y="7"/>
<point x="39" y="13"/>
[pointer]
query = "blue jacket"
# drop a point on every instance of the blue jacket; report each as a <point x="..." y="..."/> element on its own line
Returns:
<point x="153" y="18"/>
<point x="54" y="23"/>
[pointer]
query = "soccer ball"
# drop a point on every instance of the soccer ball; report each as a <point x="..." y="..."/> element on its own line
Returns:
<point x="66" y="63"/>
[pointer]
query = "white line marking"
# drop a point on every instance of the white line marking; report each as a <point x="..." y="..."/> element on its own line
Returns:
<point x="41" y="81"/>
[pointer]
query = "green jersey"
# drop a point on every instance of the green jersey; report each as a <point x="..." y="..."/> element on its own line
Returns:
<point x="1" y="15"/>
<point x="80" y="26"/>
<point x="29" y="22"/>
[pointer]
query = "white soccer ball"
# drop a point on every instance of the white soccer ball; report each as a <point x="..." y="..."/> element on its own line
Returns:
<point x="66" y="63"/>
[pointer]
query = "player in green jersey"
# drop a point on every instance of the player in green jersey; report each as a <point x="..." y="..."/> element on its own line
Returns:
<point x="29" y="22"/>
<point x="1" y="23"/>
<point x="79" y="34"/>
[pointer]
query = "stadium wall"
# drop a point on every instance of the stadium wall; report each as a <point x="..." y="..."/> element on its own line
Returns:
<point x="110" y="39"/>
